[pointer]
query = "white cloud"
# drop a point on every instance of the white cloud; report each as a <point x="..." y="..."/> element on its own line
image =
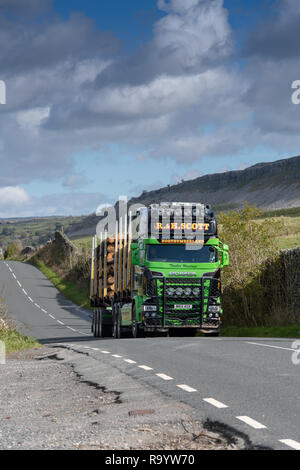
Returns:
<point x="32" y="119"/>
<point x="13" y="196"/>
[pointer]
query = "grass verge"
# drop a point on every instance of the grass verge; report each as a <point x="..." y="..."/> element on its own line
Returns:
<point x="69" y="290"/>
<point x="15" y="342"/>
<point x="292" y="331"/>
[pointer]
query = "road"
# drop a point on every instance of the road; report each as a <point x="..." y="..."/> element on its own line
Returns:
<point x="250" y="385"/>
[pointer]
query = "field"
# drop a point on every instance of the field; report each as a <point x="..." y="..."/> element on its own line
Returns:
<point x="35" y="231"/>
<point x="288" y="230"/>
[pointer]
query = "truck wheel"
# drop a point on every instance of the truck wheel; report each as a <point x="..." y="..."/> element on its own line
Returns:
<point x="93" y="322"/>
<point x="116" y="322"/>
<point x="98" y="323"/>
<point x="134" y="325"/>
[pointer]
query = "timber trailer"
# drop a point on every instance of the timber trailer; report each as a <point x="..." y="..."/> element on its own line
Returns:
<point x="147" y="282"/>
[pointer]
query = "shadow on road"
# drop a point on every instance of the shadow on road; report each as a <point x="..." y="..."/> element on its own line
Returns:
<point x="67" y="339"/>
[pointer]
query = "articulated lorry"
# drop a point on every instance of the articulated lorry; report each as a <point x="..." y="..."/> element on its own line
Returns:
<point x="159" y="271"/>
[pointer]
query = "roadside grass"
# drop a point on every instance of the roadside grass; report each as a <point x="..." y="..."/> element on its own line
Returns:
<point x="292" y="331"/>
<point x="15" y="342"/>
<point x="68" y="289"/>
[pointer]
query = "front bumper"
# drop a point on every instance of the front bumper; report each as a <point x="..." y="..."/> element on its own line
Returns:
<point x="170" y="315"/>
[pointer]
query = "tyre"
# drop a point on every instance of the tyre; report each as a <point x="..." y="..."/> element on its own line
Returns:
<point x="97" y="323"/>
<point x="93" y="322"/>
<point x="116" y="333"/>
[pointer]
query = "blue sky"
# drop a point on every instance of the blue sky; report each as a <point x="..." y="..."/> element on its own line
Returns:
<point x="113" y="97"/>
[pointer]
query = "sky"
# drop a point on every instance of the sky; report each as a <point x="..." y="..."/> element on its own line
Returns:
<point x="107" y="97"/>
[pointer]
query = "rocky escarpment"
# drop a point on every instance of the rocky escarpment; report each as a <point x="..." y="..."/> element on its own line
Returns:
<point x="273" y="185"/>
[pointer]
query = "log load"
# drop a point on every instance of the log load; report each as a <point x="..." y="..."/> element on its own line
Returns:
<point x="111" y="258"/>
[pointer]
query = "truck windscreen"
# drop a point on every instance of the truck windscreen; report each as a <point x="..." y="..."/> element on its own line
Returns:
<point x="181" y="254"/>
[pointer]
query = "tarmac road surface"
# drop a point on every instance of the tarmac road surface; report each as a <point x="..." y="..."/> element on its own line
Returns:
<point x="247" y="384"/>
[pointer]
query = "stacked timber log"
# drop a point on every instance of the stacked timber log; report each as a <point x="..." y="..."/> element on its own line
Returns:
<point x="110" y="268"/>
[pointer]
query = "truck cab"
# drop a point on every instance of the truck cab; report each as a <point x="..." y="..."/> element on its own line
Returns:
<point x="178" y="286"/>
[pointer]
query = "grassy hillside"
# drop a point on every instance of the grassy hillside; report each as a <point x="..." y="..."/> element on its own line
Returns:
<point x="33" y="231"/>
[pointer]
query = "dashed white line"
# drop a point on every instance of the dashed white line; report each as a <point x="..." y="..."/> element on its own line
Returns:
<point x="19" y="284"/>
<point x="14" y="276"/>
<point x="130" y="361"/>
<point x="215" y="403"/>
<point x="271" y="346"/>
<point x="164" y="377"/>
<point x="117" y="355"/>
<point x="187" y="388"/>
<point x="37" y="305"/>
<point x="60" y="322"/>
<point x="95" y="349"/>
<point x="251" y="422"/>
<point x="29" y="298"/>
<point x="70" y="328"/>
<point x="145" y="367"/>
<point x="105" y="352"/>
<point x="43" y="310"/>
<point x="291" y="443"/>
<point x="24" y="292"/>
<point x="51" y="316"/>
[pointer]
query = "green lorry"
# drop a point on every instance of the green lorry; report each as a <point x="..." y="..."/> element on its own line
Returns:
<point x="162" y="277"/>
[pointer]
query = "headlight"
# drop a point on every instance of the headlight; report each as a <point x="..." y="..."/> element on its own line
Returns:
<point x="213" y="309"/>
<point x="196" y="291"/>
<point x="171" y="291"/>
<point x="187" y="291"/>
<point x="149" y="308"/>
<point x="179" y="291"/>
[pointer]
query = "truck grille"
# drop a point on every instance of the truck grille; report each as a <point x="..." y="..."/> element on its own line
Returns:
<point x="170" y="295"/>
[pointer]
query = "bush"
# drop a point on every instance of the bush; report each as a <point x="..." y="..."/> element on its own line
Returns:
<point x="247" y="300"/>
<point x="11" y="251"/>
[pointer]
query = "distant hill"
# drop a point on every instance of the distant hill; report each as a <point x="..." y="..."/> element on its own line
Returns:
<point x="274" y="185"/>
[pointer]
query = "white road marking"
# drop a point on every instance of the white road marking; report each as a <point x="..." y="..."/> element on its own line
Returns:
<point x="18" y="282"/>
<point x="30" y="299"/>
<point x="70" y="328"/>
<point x="14" y="276"/>
<point x="164" y="377"/>
<point x="24" y="292"/>
<point x="145" y="367"/>
<point x="251" y="422"/>
<point x="60" y="322"/>
<point x="130" y="361"/>
<point x="116" y="355"/>
<point x="105" y="352"/>
<point x="37" y="305"/>
<point x="95" y="349"/>
<point x="289" y="442"/>
<point x="43" y="310"/>
<point x="187" y="388"/>
<point x="271" y="346"/>
<point x="52" y="316"/>
<point x="215" y="403"/>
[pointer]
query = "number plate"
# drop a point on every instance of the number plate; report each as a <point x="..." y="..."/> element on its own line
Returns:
<point x="183" y="307"/>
